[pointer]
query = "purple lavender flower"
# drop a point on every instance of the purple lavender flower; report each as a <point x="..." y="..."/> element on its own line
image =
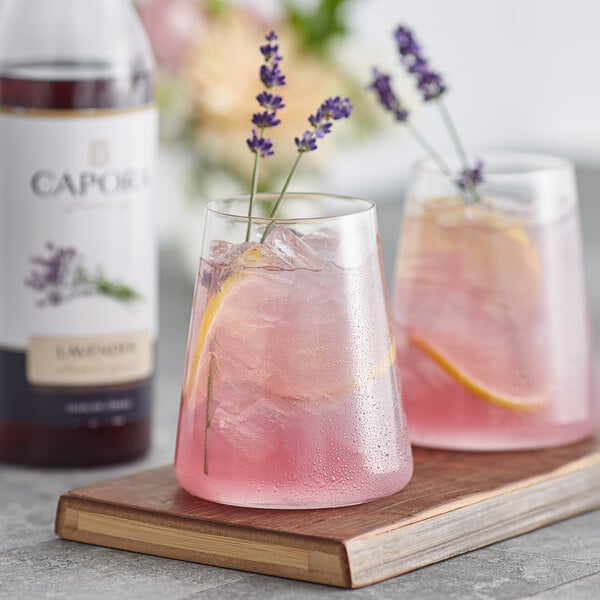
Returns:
<point x="271" y="51"/>
<point x="470" y="178"/>
<point x="270" y="73"/>
<point x="429" y="82"/>
<point x="260" y="145"/>
<point x="307" y="142"/>
<point x="432" y="87"/>
<point x="265" y="119"/>
<point x="270" y="101"/>
<point x="407" y="46"/>
<point x="52" y="272"/>
<point x="332" y="109"/>
<point x="271" y="76"/>
<point x="323" y="129"/>
<point x="62" y="277"/>
<point x="382" y="87"/>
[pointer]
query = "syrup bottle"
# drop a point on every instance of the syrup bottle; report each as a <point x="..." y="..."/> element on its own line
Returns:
<point x="77" y="248"/>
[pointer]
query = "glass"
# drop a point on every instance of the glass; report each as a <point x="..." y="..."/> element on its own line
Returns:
<point x="290" y="396"/>
<point x="490" y="311"/>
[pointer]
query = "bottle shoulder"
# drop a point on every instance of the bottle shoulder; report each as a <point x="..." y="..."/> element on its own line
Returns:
<point x="69" y="54"/>
<point x="73" y="40"/>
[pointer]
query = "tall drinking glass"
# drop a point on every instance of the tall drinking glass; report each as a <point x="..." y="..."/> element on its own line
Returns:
<point x="490" y="309"/>
<point x="290" y="396"/>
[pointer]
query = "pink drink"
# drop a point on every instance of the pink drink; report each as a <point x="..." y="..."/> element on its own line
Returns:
<point x="490" y="314"/>
<point x="290" y="395"/>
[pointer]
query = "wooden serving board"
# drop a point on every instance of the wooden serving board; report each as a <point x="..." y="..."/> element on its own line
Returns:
<point x="456" y="502"/>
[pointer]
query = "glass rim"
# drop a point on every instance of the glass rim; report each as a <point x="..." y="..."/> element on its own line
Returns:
<point x="529" y="163"/>
<point x="366" y="207"/>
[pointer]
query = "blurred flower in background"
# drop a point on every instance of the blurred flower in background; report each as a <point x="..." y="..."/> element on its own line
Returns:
<point x="208" y="68"/>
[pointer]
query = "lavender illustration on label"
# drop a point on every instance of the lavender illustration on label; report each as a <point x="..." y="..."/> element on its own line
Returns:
<point x="62" y="276"/>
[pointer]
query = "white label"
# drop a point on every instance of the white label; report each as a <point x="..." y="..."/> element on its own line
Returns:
<point x="77" y="243"/>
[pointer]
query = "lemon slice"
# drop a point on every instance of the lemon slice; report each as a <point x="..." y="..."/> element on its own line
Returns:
<point x="273" y="345"/>
<point x="510" y="402"/>
<point x="211" y="309"/>
<point x="252" y="256"/>
<point x="345" y="388"/>
<point x="492" y="243"/>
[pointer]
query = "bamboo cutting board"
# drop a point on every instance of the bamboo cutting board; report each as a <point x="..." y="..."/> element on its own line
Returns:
<point x="455" y="503"/>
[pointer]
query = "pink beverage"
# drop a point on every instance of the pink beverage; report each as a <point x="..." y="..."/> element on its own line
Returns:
<point x="491" y="320"/>
<point x="290" y="396"/>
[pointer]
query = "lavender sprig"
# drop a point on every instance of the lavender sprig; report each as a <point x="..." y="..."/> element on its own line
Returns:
<point x="62" y="276"/>
<point x="332" y="109"/>
<point x="388" y="99"/>
<point x="321" y="124"/>
<point x="260" y="145"/>
<point x="432" y="87"/>
<point x="271" y="76"/>
<point x="429" y="82"/>
<point x="381" y="84"/>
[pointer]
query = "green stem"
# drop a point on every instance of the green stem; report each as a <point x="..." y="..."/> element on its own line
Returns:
<point x="252" y="196"/>
<point x="209" y="397"/>
<point x="281" y="195"/>
<point x="442" y="166"/>
<point x="460" y="149"/>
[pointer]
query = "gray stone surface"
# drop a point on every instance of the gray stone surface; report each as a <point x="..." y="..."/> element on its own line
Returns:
<point x="561" y="561"/>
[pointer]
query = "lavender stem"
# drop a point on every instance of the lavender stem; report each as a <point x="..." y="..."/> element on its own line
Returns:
<point x="281" y="195"/>
<point x="460" y="149"/>
<point x="429" y="149"/>
<point x="252" y="195"/>
<point x="209" y="396"/>
<point x="453" y="133"/>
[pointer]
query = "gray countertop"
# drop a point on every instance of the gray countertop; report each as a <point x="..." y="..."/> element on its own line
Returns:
<point x="561" y="561"/>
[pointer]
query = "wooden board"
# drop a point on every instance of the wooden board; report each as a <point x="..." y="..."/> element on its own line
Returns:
<point x="456" y="502"/>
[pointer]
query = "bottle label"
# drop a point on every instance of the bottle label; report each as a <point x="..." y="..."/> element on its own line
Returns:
<point x="77" y="263"/>
<point x="89" y="360"/>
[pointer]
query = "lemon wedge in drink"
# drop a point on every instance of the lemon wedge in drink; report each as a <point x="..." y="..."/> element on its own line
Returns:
<point x="520" y="403"/>
<point x="469" y="283"/>
<point x="288" y="333"/>
<point x="213" y="305"/>
<point x="489" y="247"/>
<point x="211" y="309"/>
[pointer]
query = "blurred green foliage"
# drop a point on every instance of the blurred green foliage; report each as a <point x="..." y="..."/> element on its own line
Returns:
<point x="317" y="26"/>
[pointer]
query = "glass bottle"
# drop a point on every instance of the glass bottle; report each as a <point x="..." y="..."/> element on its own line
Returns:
<point x="77" y="248"/>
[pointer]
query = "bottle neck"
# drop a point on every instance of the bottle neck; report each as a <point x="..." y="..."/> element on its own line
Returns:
<point x="88" y="39"/>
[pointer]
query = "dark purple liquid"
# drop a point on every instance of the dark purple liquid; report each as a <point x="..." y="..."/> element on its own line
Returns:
<point x="24" y="437"/>
<point x="17" y="90"/>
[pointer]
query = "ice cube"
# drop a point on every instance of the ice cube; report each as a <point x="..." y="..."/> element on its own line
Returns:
<point x="260" y="425"/>
<point x="288" y="250"/>
<point x="224" y="253"/>
<point x="324" y="242"/>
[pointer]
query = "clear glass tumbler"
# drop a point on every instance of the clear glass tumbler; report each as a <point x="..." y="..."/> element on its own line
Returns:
<point x="290" y="395"/>
<point x="490" y="310"/>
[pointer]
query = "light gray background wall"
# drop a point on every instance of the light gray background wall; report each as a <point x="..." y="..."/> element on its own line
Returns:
<point x="523" y="76"/>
